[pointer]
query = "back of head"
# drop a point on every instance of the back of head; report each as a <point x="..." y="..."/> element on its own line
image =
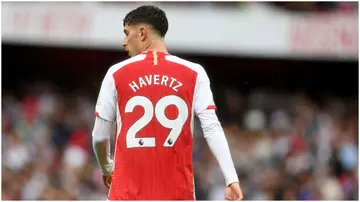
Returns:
<point x="151" y="15"/>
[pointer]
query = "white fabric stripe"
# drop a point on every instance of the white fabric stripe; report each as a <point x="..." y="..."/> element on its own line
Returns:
<point x="119" y="65"/>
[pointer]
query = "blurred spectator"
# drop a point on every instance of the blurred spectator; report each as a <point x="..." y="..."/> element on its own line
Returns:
<point x="294" y="151"/>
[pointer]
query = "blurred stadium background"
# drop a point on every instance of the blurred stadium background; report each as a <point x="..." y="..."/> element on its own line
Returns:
<point x="284" y="77"/>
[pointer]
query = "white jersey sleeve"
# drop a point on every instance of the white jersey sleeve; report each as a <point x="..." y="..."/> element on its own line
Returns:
<point x="204" y="108"/>
<point x="101" y="144"/>
<point x="218" y="144"/>
<point x="203" y="98"/>
<point x="107" y="99"/>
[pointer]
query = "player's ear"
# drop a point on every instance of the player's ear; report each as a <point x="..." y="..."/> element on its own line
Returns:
<point x="143" y="34"/>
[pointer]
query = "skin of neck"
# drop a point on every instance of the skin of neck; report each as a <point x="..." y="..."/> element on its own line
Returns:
<point x="155" y="43"/>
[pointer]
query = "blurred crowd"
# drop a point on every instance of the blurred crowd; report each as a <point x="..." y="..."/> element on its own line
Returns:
<point x="46" y="147"/>
<point x="284" y="146"/>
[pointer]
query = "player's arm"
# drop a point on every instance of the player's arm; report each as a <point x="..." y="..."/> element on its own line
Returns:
<point x="105" y="112"/>
<point x="101" y="144"/>
<point x="205" y="110"/>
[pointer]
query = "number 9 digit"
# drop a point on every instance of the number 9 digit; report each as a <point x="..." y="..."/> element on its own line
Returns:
<point x="177" y="124"/>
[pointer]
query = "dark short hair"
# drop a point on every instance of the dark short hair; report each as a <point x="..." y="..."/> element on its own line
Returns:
<point x="151" y="15"/>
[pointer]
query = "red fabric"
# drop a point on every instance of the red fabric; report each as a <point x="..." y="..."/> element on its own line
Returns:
<point x="156" y="172"/>
<point x="211" y="107"/>
<point x="80" y="138"/>
<point x="297" y="144"/>
<point x="29" y="107"/>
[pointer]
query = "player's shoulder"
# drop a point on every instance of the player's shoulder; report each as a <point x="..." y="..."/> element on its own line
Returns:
<point x="114" y="68"/>
<point x="180" y="61"/>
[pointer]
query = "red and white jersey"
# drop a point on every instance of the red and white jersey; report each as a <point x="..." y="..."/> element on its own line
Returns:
<point x="153" y="98"/>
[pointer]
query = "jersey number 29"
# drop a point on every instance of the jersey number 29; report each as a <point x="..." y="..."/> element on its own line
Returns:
<point x="175" y="125"/>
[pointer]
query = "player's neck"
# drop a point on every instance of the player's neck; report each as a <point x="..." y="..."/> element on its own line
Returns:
<point x="157" y="45"/>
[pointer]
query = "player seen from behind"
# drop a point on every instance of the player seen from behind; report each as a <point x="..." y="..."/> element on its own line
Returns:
<point x="152" y="99"/>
